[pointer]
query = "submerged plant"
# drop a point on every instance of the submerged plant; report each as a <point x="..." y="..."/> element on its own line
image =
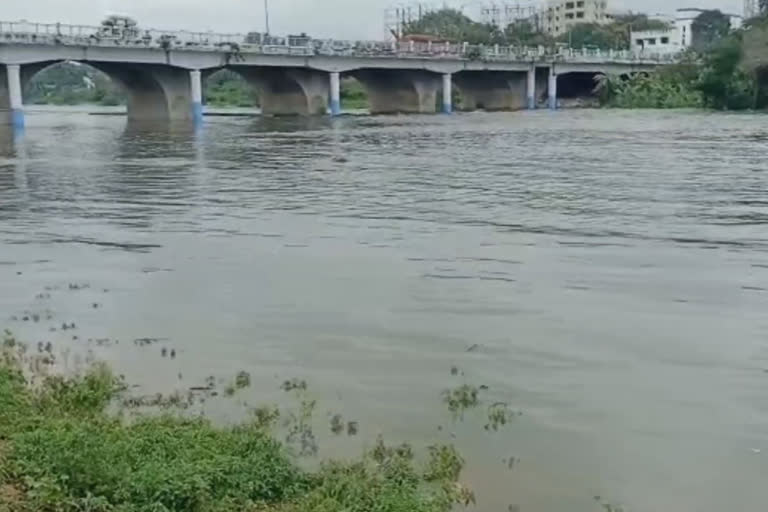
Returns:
<point x="461" y="399"/>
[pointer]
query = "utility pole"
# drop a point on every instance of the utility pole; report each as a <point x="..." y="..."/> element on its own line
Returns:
<point x="266" y="16"/>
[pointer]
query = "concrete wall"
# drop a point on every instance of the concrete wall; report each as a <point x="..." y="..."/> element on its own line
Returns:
<point x="400" y="91"/>
<point x="288" y="91"/>
<point x="491" y="90"/>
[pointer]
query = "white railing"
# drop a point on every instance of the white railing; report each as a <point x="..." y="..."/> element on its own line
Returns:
<point x="23" y="32"/>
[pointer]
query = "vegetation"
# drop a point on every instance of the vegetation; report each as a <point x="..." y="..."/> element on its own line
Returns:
<point x="708" y="29"/>
<point x="228" y="89"/>
<point x="729" y="74"/>
<point x="353" y="95"/>
<point x="69" y="83"/>
<point x="62" y="450"/>
<point x="452" y="25"/>
<point x="612" y="36"/>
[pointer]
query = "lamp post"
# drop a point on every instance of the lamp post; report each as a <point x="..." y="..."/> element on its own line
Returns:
<point x="266" y="16"/>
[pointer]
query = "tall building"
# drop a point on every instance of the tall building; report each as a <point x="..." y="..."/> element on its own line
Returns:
<point x="560" y="15"/>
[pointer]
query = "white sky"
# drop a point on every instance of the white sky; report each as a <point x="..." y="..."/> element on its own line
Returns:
<point x="343" y="19"/>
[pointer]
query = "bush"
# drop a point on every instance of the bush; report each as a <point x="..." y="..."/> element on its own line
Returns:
<point x="61" y="450"/>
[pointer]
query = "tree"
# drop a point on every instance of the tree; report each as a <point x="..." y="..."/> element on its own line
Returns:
<point x="453" y="25"/>
<point x="638" y="22"/>
<point x="709" y="28"/>
<point x="524" y="33"/>
<point x="592" y="35"/>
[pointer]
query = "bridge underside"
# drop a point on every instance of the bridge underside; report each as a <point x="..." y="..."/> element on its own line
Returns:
<point x="154" y="92"/>
<point x="577" y="88"/>
<point x="491" y="90"/>
<point x="288" y="91"/>
<point x="399" y="91"/>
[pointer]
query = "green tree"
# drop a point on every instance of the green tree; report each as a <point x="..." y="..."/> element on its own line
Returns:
<point x="524" y="33"/>
<point x="708" y="29"/>
<point x="453" y="25"/>
<point x="592" y="35"/>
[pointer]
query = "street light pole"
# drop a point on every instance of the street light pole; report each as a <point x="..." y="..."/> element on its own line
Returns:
<point x="266" y="15"/>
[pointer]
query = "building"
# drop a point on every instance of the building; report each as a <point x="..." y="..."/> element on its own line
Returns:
<point x="560" y="15"/>
<point x="677" y="37"/>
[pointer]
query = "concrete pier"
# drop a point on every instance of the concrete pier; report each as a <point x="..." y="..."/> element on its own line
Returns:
<point x="289" y="91"/>
<point x="15" y="101"/>
<point x="335" y="93"/>
<point x="491" y="90"/>
<point x="531" y="88"/>
<point x="552" y="88"/>
<point x="447" y="93"/>
<point x="400" y="91"/>
<point x="196" y="77"/>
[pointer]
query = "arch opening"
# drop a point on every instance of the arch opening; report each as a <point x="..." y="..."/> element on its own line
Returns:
<point x="225" y="88"/>
<point x="287" y="91"/>
<point x="71" y="83"/>
<point x="151" y="92"/>
<point x="578" y="89"/>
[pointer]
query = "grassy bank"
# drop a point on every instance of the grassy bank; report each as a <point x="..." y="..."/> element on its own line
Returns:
<point x="69" y="444"/>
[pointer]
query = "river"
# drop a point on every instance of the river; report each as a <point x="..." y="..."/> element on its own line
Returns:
<point x="605" y="272"/>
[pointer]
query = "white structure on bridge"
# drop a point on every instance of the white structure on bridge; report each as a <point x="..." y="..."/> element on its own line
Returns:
<point x="163" y="72"/>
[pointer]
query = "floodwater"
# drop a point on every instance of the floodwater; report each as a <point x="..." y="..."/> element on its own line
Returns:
<point x="608" y="270"/>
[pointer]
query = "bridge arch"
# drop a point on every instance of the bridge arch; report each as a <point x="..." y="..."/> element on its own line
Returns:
<point x="154" y="92"/>
<point x="288" y="90"/>
<point x="578" y="88"/>
<point x="393" y="91"/>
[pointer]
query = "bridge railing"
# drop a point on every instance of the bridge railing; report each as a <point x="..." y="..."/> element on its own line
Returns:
<point x="24" y="32"/>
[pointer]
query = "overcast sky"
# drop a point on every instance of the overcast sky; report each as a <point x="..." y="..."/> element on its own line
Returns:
<point x="351" y="19"/>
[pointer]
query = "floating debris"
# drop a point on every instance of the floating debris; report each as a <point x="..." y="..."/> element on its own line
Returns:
<point x="164" y="352"/>
<point x="243" y="380"/>
<point x="337" y="424"/>
<point x="454" y="370"/>
<point x="143" y="342"/>
<point x="293" y="385"/>
<point x="461" y="399"/>
<point x="173" y="354"/>
<point x="353" y="427"/>
<point x="499" y="414"/>
<point x="474" y="348"/>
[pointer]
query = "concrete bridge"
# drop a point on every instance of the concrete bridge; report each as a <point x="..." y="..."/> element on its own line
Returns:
<point x="162" y="72"/>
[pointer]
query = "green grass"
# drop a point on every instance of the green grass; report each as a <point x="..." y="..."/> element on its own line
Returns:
<point x="63" y="448"/>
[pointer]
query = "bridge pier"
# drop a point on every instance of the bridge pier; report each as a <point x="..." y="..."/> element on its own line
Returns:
<point x="447" y="93"/>
<point x="531" y="87"/>
<point x="492" y="90"/>
<point x="552" y="88"/>
<point x="196" y="79"/>
<point x="289" y="91"/>
<point x="335" y="93"/>
<point x="392" y="91"/>
<point x="11" y="102"/>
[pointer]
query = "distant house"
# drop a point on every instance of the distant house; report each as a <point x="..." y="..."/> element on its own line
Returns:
<point x="677" y="37"/>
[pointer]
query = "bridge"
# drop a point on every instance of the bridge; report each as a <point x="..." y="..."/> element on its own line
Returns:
<point x="162" y="72"/>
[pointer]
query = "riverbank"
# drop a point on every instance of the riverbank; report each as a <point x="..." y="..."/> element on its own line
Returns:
<point x="63" y="448"/>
